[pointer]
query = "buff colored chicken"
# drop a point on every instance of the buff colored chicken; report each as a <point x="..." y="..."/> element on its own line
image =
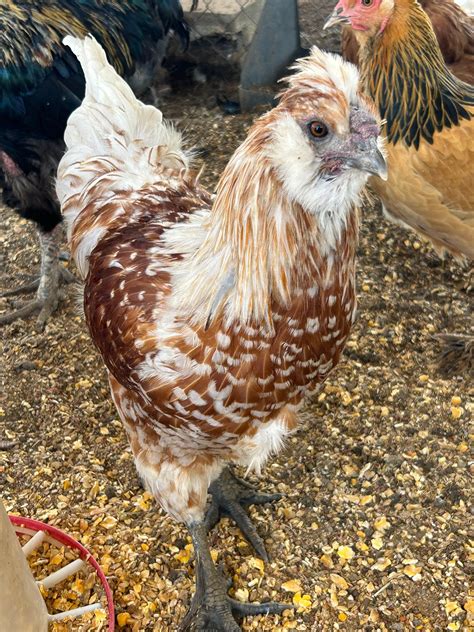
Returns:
<point x="454" y="30"/>
<point x="429" y="128"/>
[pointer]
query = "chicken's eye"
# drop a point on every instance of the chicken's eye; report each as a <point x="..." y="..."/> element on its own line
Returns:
<point x="317" y="129"/>
<point x="367" y="3"/>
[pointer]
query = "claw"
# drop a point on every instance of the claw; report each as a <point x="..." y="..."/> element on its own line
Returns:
<point x="211" y="608"/>
<point x="45" y="304"/>
<point x="229" y="495"/>
<point x="26" y="288"/>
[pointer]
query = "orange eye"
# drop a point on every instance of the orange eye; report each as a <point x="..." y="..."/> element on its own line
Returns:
<point x="317" y="129"/>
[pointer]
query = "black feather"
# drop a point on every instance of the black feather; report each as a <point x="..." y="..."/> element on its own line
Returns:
<point x="412" y="86"/>
<point x="41" y="81"/>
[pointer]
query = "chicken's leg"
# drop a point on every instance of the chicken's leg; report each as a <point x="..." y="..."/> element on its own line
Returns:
<point x="229" y="495"/>
<point x="52" y="274"/>
<point x="211" y="607"/>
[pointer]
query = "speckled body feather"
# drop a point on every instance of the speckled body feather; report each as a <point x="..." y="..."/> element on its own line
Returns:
<point x="214" y="319"/>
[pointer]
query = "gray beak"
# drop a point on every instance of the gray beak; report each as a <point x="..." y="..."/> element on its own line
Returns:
<point x="371" y="160"/>
<point x="336" y="17"/>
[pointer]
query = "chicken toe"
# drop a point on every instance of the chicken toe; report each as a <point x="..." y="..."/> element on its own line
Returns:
<point x="47" y="286"/>
<point x="46" y="301"/>
<point x="229" y="495"/>
<point x="211" y="607"/>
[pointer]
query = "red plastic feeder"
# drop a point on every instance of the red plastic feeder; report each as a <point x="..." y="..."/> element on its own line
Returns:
<point x="39" y="532"/>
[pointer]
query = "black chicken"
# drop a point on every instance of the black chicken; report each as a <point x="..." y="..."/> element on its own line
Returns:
<point x="41" y="83"/>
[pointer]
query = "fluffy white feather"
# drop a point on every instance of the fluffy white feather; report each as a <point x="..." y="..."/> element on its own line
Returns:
<point x="111" y="124"/>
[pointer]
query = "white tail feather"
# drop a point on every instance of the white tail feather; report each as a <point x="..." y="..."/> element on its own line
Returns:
<point x="111" y="102"/>
<point x="113" y="128"/>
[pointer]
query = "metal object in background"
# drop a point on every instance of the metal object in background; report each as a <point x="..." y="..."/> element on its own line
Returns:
<point x="221" y="30"/>
<point x="275" y="45"/>
<point x="253" y="39"/>
<point x="256" y="39"/>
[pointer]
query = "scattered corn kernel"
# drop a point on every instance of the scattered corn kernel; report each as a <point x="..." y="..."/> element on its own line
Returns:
<point x="345" y="552"/>
<point x="302" y="601"/>
<point x="123" y="618"/>
<point x="293" y="585"/>
<point x="456" y="412"/>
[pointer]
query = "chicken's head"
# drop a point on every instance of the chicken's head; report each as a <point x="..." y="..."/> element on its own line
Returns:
<point x="366" y="16"/>
<point x="323" y="139"/>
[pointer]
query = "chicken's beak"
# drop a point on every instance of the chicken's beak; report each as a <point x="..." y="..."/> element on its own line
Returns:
<point x="371" y="160"/>
<point x="336" y="17"/>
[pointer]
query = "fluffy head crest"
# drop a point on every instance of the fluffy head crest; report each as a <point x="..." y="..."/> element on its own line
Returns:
<point x="321" y="75"/>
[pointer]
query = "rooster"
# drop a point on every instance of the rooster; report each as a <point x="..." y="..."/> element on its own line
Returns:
<point x="41" y="83"/>
<point x="216" y="316"/>
<point x="429" y="128"/>
<point x="454" y="30"/>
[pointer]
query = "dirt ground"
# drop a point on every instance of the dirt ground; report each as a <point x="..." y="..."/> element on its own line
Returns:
<point x="372" y="532"/>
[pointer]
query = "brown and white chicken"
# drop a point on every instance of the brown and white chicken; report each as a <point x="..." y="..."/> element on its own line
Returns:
<point x="216" y="317"/>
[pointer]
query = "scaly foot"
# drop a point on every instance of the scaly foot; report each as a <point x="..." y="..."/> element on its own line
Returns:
<point x="47" y="298"/>
<point x="212" y="610"/>
<point x="64" y="277"/>
<point x="51" y="277"/>
<point x="229" y="495"/>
